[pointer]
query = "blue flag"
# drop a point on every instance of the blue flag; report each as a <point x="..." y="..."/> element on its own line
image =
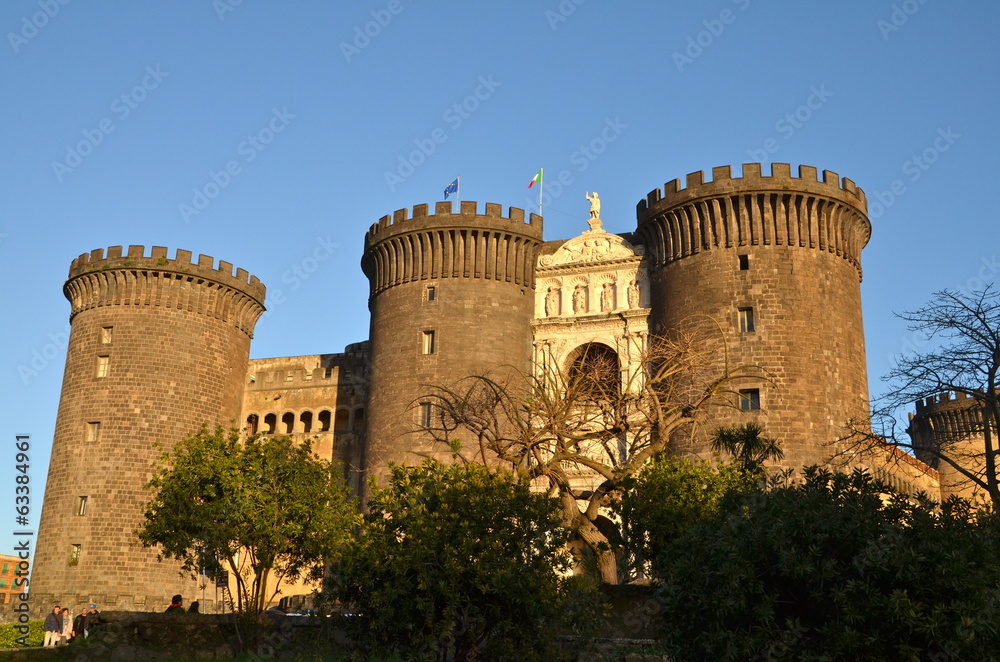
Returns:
<point x="451" y="188"/>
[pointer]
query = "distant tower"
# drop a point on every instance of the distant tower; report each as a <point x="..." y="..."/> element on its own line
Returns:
<point x="954" y="427"/>
<point x="776" y="261"/>
<point x="158" y="347"/>
<point x="452" y="295"/>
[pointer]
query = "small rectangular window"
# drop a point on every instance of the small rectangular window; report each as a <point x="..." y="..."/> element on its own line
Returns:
<point x="74" y="553"/>
<point x="749" y="399"/>
<point x="428" y="344"/>
<point x="431" y="292"/>
<point x="81" y="506"/>
<point x="93" y="432"/>
<point x="106" y="334"/>
<point x="103" y="365"/>
<point x="746" y="320"/>
<point x="424" y="415"/>
<point x="744" y="262"/>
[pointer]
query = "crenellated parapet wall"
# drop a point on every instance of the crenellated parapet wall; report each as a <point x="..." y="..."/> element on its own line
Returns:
<point x="135" y="279"/>
<point x="946" y="418"/>
<point x="828" y="214"/>
<point x="406" y="247"/>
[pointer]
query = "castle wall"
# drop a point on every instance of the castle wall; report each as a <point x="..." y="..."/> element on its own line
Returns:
<point x="799" y="277"/>
<point x="452" y="295"/>
<point x="157" y="348"/>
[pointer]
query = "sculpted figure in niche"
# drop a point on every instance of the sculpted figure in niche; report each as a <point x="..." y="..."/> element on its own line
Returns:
<point x="580" y="299"/>
<point x="552" y="302"/>
<point x="607" y="297"/>
<point x="633" y="295"/>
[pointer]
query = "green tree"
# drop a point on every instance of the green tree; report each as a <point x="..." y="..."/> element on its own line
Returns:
<point x="837" y="567"/>
<point x="456" y="561"/>
<point x="262" y="508"/>
<point x="669" y="497"/>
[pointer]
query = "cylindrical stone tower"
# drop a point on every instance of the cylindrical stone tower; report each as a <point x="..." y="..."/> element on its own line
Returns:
<point x="157" y="348"/>
<point x="775" y="261"/>
<point x="955" y="427"/>
<point x="452" y="295"/>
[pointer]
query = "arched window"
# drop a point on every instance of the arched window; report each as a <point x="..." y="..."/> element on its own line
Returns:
<point x="270" y="422"/>
<point x="324" y="421"/>
<point x="288" y="422"/>
<point x="593" y="372"/>
<point x="341" y="422"/>
<point x="252" y="423"/>
<point x="307" y="421"/>
<point x="359" y="418"/>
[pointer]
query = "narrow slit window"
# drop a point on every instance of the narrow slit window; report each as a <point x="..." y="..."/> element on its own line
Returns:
<point x="744" y="262"/>
<point x="428" y="342"/>
<point x="424" y="415"/>
<point x="749" y="399"/>
<point x="746" y="320"/>
<point x="81" y="506"/>
<point x="74" y="553"/>
<point x="106" y="334"/>
<point x="431" y="292"/>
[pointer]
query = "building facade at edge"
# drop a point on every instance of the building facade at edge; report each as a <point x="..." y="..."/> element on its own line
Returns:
<point x="160" y="346"/>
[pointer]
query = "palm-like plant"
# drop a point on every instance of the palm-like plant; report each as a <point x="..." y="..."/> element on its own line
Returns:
<point x="747" y="445"/>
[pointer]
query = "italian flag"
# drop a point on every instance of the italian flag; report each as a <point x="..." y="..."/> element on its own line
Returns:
<point x="536" y="179"/>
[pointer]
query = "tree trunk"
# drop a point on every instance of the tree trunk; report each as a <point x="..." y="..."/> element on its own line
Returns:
<point x="607" y="562"/>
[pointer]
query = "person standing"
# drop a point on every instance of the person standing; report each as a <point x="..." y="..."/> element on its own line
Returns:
<point x="53" y="627"/>
<point x="80" y="625"/>
<point x="67" y="627"/>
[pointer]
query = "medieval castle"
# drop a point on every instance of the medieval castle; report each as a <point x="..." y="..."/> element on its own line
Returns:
<point x="160" y="344"/>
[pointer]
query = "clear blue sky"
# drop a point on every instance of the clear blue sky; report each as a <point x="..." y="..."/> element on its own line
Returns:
<point x="162" y="95"/>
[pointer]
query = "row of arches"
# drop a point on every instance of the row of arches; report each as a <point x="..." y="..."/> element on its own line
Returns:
<point x="307" y="422"/>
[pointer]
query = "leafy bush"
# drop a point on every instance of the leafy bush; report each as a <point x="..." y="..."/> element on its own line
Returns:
<point x="9" y="635"/>
<point x="454" y="561"/>
<point x="835" y="568"/>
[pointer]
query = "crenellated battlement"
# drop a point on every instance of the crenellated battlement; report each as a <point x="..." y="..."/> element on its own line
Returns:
<point x="443" y="214"/>
<point x="266" y="380"/>
<point x="731" y="212"/>
<point x="752" y="180"/>
<point x="948" y="401"/>
<point x="409" y="246"/>
<point x="135" y="279"/>
<point x="158" y="260"/>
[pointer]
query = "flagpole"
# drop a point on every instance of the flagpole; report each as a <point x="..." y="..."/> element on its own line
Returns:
<point x="458" y="191"/>
<point x="541" y="187"/>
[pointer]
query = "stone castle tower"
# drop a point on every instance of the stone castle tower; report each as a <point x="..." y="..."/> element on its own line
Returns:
<point x="776" y="261"/>
<point x="451" y="295"/>
<point x="158" y="347"/>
